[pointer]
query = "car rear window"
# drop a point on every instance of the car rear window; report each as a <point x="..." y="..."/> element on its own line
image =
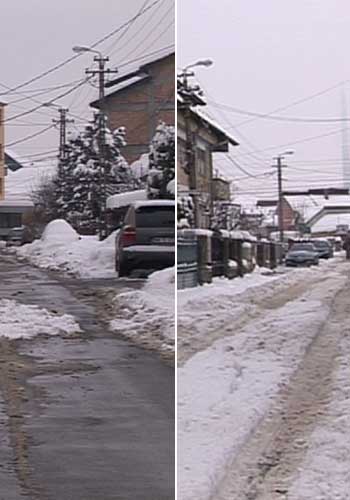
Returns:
<point x="155" y="216"/>
<point x="320" y="244"/>
<point x="303" y="246"/>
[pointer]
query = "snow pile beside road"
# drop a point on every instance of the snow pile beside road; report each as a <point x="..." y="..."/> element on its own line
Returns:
<point x="147" y="316"/>
<point x="61" y="248"/>
<point x="19" y="321"/>
<point x="59" y="231"/>
<point x="225" y="390"/>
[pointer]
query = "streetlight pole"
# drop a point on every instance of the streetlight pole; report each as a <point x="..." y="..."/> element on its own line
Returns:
<point x="101" y="72"/>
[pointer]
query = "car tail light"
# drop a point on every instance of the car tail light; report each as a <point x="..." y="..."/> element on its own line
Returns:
<point x="128" y="236"/>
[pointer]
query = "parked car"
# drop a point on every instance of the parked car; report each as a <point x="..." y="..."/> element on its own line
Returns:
<point x="146" y="239"/>
<point x="18" y="236"/>
<point x="302" y="254"/>
<point x="324" y="248"/>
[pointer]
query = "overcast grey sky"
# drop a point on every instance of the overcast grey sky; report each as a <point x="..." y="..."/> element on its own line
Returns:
<point x="268" y="54"/>
<point x="38" y="34"/>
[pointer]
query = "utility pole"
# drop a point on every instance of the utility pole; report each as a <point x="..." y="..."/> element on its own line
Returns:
<point x="62" y="122"/>
<point x="101" y="72"/>
<point x="279" y="166"/>
<point x="280" y="198"/>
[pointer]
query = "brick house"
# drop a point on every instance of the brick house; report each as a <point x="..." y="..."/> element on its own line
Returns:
<point x="207" y="138"/>
<point x="139" y="100"/>
<point x="290" y="215"/>
<point x="2" y="151"/>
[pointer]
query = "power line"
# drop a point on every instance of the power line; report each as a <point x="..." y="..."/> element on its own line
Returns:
<point x="154" y="52"/>
<point x="242" y="169"/>
<point x="295" y="103"/>
<point x="38" y="92"/>
<point x="72" y="58"/>
<point x="28" y="137"/>
<point x="278" y="118"/>
<point x="117" y="49"/>
<point x="301" y="141"/>
<point x="51" y="101"/>
<point x="150" y="32"/>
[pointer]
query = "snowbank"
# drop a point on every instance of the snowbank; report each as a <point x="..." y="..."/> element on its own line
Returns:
<point x="59" y="231"/>
<point x="147" y="316"/>
<point x="62" y="249"/>
<point x="20" y="321"/>
<point x="240" y="341"/>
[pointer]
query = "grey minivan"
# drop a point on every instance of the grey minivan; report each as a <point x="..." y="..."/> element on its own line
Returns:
<point x="146" y="239"/>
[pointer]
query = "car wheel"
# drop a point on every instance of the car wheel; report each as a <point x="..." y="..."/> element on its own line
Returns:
<point x="123" y="270"/>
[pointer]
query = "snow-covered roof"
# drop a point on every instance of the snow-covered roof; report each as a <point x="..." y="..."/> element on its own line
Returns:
<point x="155" y="203"/>
<point x="215" y="125"/>
<point x="126" y="84"/>
<point x="308" y="206"/>
<point x="125" y="199"/>
<point x="19" y="184"/>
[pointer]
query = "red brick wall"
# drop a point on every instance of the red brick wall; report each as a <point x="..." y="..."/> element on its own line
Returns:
<point x="288" y="216"/>
<point x="140" y="107"/>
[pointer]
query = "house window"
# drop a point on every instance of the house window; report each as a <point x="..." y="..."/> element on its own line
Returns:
<point x="201" y="162"/>
<point x="181" y="152"/>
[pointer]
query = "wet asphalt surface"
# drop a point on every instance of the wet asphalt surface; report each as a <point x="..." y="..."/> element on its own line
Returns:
<point x="85" y="417"/>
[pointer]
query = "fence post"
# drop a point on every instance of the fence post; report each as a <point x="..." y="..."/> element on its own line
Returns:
<point x="203" y="252"/>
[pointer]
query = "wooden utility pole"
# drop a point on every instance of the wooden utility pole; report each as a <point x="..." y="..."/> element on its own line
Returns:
<point x="280" y="199"/>
<point x="101" y="72"/>
<point x="279" y="166"/>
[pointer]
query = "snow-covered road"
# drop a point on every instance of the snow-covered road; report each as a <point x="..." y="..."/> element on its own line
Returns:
<point x="257" y="360"/>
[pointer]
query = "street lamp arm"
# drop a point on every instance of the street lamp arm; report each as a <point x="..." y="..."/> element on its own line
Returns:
<point x="79" y="49"/>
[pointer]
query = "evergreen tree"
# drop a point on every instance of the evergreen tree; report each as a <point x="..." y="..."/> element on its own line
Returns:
<point x="161" y="163"/>
<point x="80" y="180"/>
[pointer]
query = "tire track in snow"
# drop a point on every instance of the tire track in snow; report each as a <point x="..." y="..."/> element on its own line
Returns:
<point x="196" y="331"/>
<point x="266" y="466"/>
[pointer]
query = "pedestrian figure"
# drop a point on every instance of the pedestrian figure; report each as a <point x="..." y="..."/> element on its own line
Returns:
<point x="346" y="245"/>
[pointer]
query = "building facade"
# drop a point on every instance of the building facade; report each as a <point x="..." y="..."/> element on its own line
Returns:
<point x="139" y="101"/>
<point x="196" y="179"/>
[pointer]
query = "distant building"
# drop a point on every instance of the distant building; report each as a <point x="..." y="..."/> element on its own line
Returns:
<point x="139" y="100"/>
<point x="269" y="209"/>
<point x="16" y="207"/>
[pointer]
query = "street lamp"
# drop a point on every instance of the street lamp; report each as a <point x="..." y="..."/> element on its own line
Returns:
<point x="279" y="159"/>
<point x="202" y="62"/>
<point x="80" y="49"/>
